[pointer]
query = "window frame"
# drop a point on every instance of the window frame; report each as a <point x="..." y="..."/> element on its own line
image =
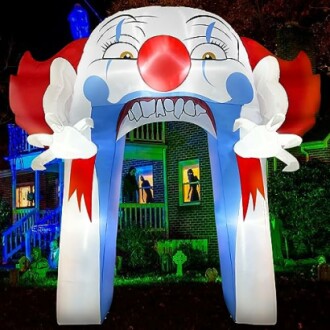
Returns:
<point x="184" y="165"/>
<point x="20" y="198"/>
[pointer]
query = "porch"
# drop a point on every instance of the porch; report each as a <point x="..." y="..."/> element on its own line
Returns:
<point x="38" y="228"/>
<point x="35" y="227"/>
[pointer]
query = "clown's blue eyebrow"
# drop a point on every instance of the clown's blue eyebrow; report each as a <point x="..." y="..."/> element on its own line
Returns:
<point x="215" y="28"/>
<point x="209" y="31"/>
<point x="125" y="16"/>
<point x="118" y="29"/>
<point x="126" y="19"/>
<point x="117" y="26"/>
<point x="216" y="19"/>
<point x="206" y="16"/>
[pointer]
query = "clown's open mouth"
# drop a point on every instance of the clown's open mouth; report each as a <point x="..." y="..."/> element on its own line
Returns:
<point x="140" y="111"/>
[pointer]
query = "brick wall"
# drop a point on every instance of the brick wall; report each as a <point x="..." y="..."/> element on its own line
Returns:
<point x="48" y="190"/>
<point x="187" y="141"/>
<point x="321" y="154"/>
<point x="5" y="186"/>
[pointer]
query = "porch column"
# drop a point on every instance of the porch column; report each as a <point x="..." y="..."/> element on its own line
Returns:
<point x="165" y="194"/>
<point x="13" y="188"/>
<point x="37" y="193"/>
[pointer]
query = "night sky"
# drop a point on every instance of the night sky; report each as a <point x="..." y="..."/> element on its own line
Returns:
<point x="42" y="27"/>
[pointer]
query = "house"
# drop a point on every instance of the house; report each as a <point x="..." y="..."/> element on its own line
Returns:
<point x="161" y="152"/>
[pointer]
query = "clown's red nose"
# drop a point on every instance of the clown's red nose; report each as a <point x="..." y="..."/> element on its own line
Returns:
<point x="163" y="62"/>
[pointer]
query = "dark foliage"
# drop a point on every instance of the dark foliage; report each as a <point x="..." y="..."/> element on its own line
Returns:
<point x="301" y="200"/>
<point x="137" y="249"/>
<point x="196" y="259"/>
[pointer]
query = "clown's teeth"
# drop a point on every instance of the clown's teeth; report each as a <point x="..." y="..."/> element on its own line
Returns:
<point x="130" y="115"/>
<point x="168" y="105"/>
<point x="189" y="108"/>
<point x="136" y="111"/>
<point x="178" y="108"/>
<point x="160" y="109"/>
<point x="148" y="108"/>
<point x="199" y="110"/>
<point x="165" y="109"/>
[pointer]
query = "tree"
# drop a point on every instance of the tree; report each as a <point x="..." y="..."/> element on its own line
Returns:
<point x="301" y="200"/>
<point x="260" y="19"/>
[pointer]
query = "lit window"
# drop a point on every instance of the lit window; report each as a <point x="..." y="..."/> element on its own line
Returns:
<point x="25" y="196"/>
<point x="189" y="182"/>
<point x="146" y="182"/>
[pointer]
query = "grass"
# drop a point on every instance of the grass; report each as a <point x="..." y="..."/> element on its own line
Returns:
<point x="153" y="279"/>
<point x="126" y="280"/>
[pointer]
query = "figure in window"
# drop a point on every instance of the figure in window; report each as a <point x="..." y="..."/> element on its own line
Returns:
<point x="30" y="198"/>
<point x="130" y="186"/>
<point x="146" y="190"/>
<point x="193" y="194"/>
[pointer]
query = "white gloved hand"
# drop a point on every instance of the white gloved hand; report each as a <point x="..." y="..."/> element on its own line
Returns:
<point x="67" y="142"/>
<point x="262" y="141"/>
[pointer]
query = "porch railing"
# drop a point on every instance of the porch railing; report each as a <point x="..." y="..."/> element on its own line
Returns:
<point x="153" y="132"/>
<point x="33" y="228"/>
<point x="13" y="239"/>
<point x="41" y="235"/>
<point x="22" y="213"/>
<point x="18" y="142"/>
<point x="146" y="216"/>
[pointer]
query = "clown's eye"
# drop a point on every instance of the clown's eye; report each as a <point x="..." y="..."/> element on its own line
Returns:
<point x="209" y="56"/>
<point x="126" y="55"/>
<point x="120" y="50"/>
<point x="209" y="51"/>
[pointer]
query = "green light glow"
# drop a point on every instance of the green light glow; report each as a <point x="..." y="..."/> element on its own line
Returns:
<point x="144" y="280"/>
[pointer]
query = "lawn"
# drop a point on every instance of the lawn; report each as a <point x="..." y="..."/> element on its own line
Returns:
<point x="171" y="303"/>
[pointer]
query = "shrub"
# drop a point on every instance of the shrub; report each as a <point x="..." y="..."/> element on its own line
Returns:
<point x="301" y="200"/>
<point x="196" y="259"/>
<point x="136" y="247"/>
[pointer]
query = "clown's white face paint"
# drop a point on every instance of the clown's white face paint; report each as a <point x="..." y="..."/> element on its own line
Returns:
<point x="115" y="49"/>
<point x="165" y="64"/>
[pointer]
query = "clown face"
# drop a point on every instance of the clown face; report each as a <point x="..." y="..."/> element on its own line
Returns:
<point x="150" y="65"/>
<point x="162" y="64"/>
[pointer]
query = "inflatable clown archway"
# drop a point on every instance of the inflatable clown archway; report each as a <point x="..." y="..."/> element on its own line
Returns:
<point x="156" y="64"/>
